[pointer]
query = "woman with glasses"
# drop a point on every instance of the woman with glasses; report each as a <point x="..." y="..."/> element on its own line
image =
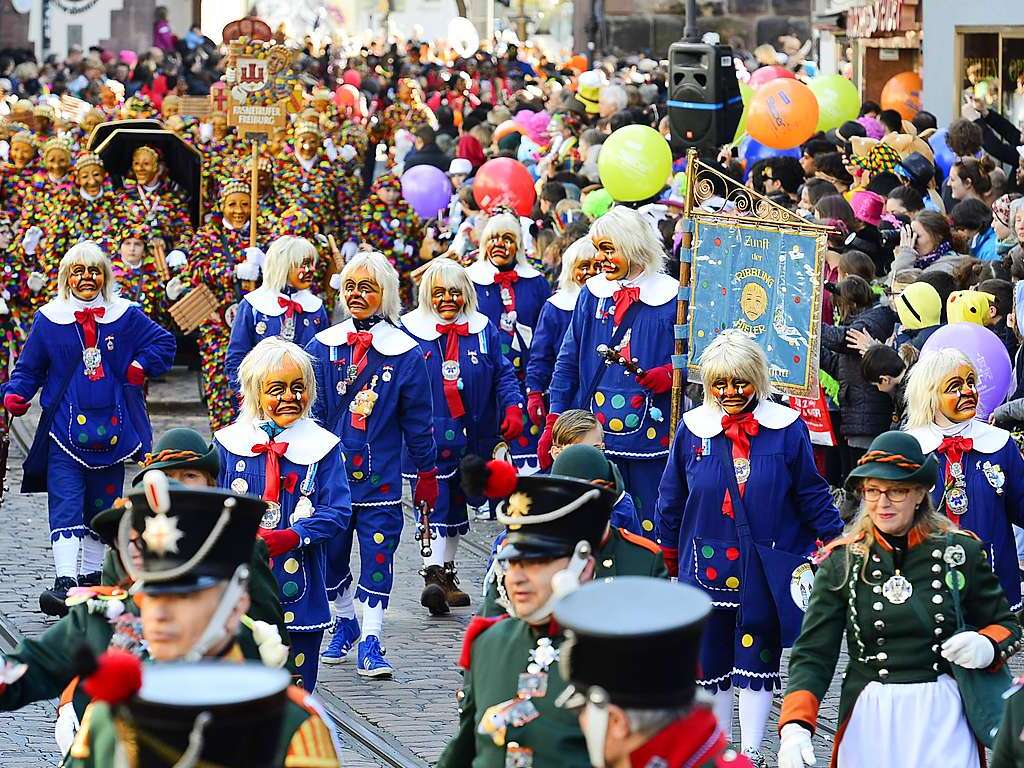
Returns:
<point x="894" y="586"/>
<point x="477" y="403"/>
<point x="982" y="472"/>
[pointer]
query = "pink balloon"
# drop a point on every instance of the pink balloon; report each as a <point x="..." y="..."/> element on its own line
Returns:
<point x="352" y="77"/>
<point x="769" y="73"/>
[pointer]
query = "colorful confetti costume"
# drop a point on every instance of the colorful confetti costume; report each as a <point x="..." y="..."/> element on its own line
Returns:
<point x="301" y="469"/>
<point x="409" y="116"/>
<point x="212" y="256"/>
<point x="467" y="404"/>
<point x="354" y="133"/>
<point x="634" y="418"/>
<point x="93" y="418"/>
<point x="77" y="219"/>
<point x="14" y="186"/>
<point x="293" y="315"/>
<point x="985" y="494"/>
<point x="793" y="509"/>
<point x="390" y="229"/>
<point x="143" y="286"/>
<point x="161" y="207"/>
<point x="220" y="159"/>
<point x="327" y="191"/>
<point x="15" y="304"/>
<point x="44" y="198"/>
<point x="392" y="369"/>
<point x="513" y="300"/>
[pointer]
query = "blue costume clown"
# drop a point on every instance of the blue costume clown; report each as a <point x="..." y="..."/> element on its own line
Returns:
<point x="300" y="471"/>
<point x="90" y="358"/>
<point x="375" y="395"/>
<point x="552" y="326"/>
<point x="511" y="297"/>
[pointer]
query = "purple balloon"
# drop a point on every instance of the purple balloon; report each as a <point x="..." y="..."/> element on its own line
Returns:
<point x="944" y="157"/>
<point x="427" y="190"/>
<point x="990" y="358"/>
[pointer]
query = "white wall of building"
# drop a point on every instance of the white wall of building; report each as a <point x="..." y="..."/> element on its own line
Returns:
<point x="94" y="23"/>
<point x="941" y="19"/>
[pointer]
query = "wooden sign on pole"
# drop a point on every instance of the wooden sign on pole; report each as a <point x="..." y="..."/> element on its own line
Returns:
<point x="198" y="106"/>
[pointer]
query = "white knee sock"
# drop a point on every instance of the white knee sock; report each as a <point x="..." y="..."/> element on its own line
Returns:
<point x="373" y="620"/>
<point x="438" y="548"/>
<point x="451" y="546"/>
<point x="754" y="707"/>
<point x="343" y="608"/>
<point x="93" y="551"/>
<point x="65" y="556"/>
<point x="723" y="711"/>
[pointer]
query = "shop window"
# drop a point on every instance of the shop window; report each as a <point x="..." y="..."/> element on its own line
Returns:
<point x="979" y="74"/>
<point x="1013" y="79"/>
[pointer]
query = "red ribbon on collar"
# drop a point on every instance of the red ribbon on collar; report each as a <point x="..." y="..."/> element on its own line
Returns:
<point x="739" y="428"/>
<point x="451" y="353"/>
<point x="507" y="281"/>
<point x="87" y="319"/>
<point x="624" y="298"/>
<point x="272" y="485"/>
<point x="954" y="448"/>
<point x="291" y="308"/>
<point x="360" y="342"/>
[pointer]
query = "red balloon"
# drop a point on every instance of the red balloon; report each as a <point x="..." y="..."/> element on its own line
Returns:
<point x="348" y="97"/>
<point x="352" y="77"/>
<point x="769" y="73"/>
<point x="503" y="181"/>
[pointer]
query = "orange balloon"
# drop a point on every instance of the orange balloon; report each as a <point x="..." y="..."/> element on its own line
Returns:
<point x="903" y="93"/>
<point x="783" y="114"/>
<point x="578" y="63"/>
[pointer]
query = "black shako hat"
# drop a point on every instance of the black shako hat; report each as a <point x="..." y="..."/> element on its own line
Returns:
<point x="606" y="621"/>
<point x="237" y="710"/>
<point x="190" y="538"/>
<point x="547" y="516"/>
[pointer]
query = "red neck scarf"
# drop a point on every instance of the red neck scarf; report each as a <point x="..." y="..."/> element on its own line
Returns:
<point x="360" y="342"/>
<point x="506" y="283"/>
<point x="739" y="428"/>
<point x="694" y="739"/>
<point x="954" y="448"/>
<point x="451" y="353"/>
<point x="291" y="308"/>
<point x="87" y="319"/>
<point x="624" y="298"/>
<point x="274" y="451"/>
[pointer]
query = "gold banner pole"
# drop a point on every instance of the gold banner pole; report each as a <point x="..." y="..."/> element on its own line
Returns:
<point x="254" y="193"/>
<point x="681" y="329"/>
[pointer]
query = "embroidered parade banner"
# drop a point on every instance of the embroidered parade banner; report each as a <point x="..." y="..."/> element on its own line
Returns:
<point x="763" y="278"/>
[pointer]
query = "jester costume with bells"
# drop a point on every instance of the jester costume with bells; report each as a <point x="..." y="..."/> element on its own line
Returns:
<point x="150" y="197"/>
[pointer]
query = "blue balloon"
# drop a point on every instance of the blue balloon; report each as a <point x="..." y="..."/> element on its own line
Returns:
<point x="944" y="157"/>
<point x="752" y="150"/>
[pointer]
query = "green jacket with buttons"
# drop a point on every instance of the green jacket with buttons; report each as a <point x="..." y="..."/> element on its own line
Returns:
<point x="497" y="657"/>
<point x="622" y="554"/>
<point x="1008" y="750"/>
<point x="889" y="641"/>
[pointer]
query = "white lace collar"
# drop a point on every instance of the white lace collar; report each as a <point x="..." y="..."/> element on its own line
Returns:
<point x="62" y="311"/>
<point x="564" y="299"/>
<point x="987" y="438"/>
<point x="387" y="339"/>
<point x="655" y="288"/>
<point x="482" y="272"/>
<point x="307" y="441"/>
<point x="422" y="323"/>
<point x="265" y="301"/>
<point x="705" y="421"/>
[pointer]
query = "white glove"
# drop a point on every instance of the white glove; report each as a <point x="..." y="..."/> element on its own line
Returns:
<point x="4" y="309"/>
<point x="349" y="249"/>
<point x="31" y="240"/>
<point x="399" y="246"/>
<point x="175" y="288"/>
<point x="795" y="749"/>
<point x="256" y="256"/>
<point x="36" y="282"/>
<point x="205" y="132"/>
<point x="5" y="151"/>
<point x="330" y="150"/>
<point x="347" y="153"/>
<point x="970" y="650"/>
<point x="336" y="281"/>
<point x="247" y="270"/>
<point x="176" y="259"/>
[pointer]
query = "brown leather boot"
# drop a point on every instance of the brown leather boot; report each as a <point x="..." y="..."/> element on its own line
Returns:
<point x="433" y="596"/>
<point x="456" y="597"/>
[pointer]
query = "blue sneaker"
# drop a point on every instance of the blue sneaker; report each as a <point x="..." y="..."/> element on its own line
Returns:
<point x="343" y="637"/>
<point x="371" y="659"/>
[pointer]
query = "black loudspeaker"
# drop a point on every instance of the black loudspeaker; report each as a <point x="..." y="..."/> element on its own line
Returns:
<point x="704" y="102"/>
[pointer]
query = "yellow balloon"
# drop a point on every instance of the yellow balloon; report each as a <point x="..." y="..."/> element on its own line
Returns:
<point x="635" y="163"/>
<point x="747" y="93"/>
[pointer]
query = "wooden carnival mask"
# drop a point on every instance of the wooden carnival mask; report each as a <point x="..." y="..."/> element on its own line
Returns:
<point x="733" y="393"/>
<point x="283" y="394"/>
<point x="612" y="261"/>
<point x="958" y="394"/>
<point x="362" y="294"/>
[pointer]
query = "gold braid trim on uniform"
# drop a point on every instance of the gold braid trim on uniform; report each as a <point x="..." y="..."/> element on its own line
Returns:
<point x="311" y="746"/>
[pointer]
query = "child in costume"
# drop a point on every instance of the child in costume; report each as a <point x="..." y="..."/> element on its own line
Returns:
<point x="981" y="469"/>
<point x="471" y="383"/>
<point x="511" y="294"/>
<point x="388" y="224"/>
<point x="277" y="451"/>
<point x="626" y="314"/>
<point x="136" y="273"/>
<point x="375" y="395"/>
<point x="739" y="431"/>
<point x="283" y="304"/>
<point x="90" y="352"/>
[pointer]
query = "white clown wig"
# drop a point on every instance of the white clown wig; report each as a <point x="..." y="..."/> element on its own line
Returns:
<point x="923" y="381"/>
<point x="447" y="273"/>
<point x="266" y="357"/>
<point x="499" y="225"/>
<point x="581" y="249"/>
<point x="633" y="236"/>
<point x="89" y="253"/>
<point x="383" y="274"/>
<point x="282" y="255"/>
<point x="734" y="354"/>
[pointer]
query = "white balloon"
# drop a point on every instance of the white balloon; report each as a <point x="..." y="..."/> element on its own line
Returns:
<point x="463" y="37"/>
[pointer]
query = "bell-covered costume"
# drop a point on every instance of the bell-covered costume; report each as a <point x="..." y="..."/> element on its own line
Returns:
<point x="161" y="206"/>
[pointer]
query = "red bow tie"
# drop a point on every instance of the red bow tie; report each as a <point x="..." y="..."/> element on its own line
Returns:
<point x="290" y="307"/>
<point x="451" y="353"/>
<point x="506" y="281"/>
<point x="274" y="452"/>
<point x="360" y="342"/>
<point x="739" y="428"/>
<point x="624" y="298"/>
<point x="87" y="319"/>
<point x="954" y="448"/>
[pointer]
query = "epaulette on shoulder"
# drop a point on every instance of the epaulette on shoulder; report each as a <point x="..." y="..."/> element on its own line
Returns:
<point x="477" y="627"/>
<point x="825" y="550"/>
<point x="640" y="541"/>
<point x="969" y="534"/>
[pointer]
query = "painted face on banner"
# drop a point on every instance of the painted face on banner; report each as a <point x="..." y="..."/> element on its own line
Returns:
<point x="613" y="262"/>
<point x="301" y="277"/>
<point x="362" y="294"/>
<point x="283" y="394"/>
<point x="958" y="394"/>
<point x="732" y="393"/>
<point x="85" y="282"/>
<point x="447" y="302"/>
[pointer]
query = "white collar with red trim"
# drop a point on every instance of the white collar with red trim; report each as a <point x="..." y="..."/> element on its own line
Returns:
<point x="62" y="311"/>
<point x="308" y="442"/>
<point x="482" y="272"/>
<point x="987" y="438"/>
<point x="705" y="421"/>
<point x="423" y="323"/>
<point x="387" y="339"/>
<point x="656" y="288"/>
<point x="265" y="301"/>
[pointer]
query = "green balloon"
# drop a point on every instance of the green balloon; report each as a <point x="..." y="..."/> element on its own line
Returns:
<point x="747" y="93"/>
<point x="838" y="100"/>
<point x="597" y="203"/>
<point x="635" y="163"/>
